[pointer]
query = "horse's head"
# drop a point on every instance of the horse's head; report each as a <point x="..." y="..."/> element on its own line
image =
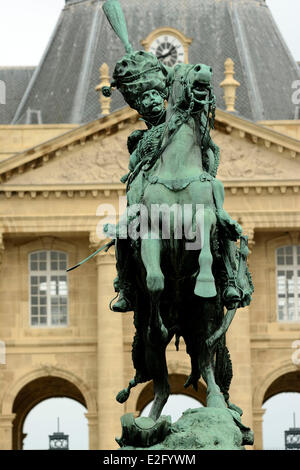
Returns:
<point x="192" y="86"/>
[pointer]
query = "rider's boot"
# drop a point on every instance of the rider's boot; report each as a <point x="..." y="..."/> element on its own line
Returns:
<point x="231" y="296"/>
<point x="123" y="304"/>
<point x="122" y="283"/>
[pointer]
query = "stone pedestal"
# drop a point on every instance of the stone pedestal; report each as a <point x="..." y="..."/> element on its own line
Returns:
<point x="205" y="429"/>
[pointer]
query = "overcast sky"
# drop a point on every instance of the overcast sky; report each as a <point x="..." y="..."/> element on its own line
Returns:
<point x="26" y="26"/>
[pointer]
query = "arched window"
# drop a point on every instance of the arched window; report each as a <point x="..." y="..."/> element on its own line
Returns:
<point x="288" y="283"/>
<point x="48" y="289"/>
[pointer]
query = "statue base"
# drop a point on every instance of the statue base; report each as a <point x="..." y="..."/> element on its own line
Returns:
<point x="197" y="429"/>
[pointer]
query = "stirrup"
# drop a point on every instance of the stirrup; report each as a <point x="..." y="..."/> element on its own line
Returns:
<point x="122" y="305"/>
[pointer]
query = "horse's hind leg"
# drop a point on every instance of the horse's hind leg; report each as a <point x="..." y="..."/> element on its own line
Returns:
<point x="205" y="283"/>
<point x="157" y="334"/>
<point x="157" y="365"/>
<point x="214" y="397"/>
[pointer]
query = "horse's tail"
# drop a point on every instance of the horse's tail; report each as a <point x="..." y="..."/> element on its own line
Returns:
<point x="223" y="368"/>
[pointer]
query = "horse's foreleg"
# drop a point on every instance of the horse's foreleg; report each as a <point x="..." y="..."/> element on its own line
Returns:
<point x="205" y="283"/>
<point x="150" y="251"/>
<point x="214" y="396"/>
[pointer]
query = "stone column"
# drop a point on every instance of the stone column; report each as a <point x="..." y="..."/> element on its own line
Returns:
<point x="239" y="345"/>
<point x="6" y="421"/>
<point x="1" y="247"/>
<point x="6" y="426"/>
<point x="110" y="355"/>
<point x="258" y="417"/>
<point x="93" y="430"/>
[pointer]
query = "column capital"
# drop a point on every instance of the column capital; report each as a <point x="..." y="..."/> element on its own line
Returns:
<point x="94" y="241"/>
<point x="7" y="420"/>
<point x="249" y="230"/>
<point x="2" y="247"/>
<point x="104" y="257"/>
<point x="92" y="418"/>
<point x="258" y="413"/>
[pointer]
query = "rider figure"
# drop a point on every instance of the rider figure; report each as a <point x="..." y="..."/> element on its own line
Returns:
<point x="143" y="82"/>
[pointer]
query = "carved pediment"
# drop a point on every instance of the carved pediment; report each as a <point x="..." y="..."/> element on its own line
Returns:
<point x="97" y="161"/>
<point x="105" y="160"/>
<point x="241" y="159"/>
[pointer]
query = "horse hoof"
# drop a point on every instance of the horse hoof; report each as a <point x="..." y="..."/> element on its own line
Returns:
<point x="155" y="283"/>
<point x="143" y="431"/>
<point x="122" y="305"/>
<point x="205" y="289"/>
<point x="215" y="400"/>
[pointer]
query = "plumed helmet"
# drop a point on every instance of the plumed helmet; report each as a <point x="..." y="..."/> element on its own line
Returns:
<point x="138" y="72"/>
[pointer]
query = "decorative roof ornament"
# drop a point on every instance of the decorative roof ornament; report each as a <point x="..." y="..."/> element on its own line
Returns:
<point x="229" y="85"/>
<point x="104" y="88"/>
<point x="81" y="42"/>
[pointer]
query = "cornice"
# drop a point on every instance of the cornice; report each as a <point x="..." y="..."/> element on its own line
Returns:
<point x="262" y="187"/>
<point x="63" y="190"/>
<point x="60" y="191"/>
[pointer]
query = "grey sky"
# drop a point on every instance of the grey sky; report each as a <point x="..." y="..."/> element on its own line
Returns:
<point x="26" y="26"/>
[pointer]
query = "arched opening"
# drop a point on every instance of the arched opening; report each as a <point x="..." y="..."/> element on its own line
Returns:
<point x="176" y="382"/>
<point x="281" y="400"/>
<point x="35" y="392"/>
<point x="175" y="406"/>
<point x="56" y="415"/>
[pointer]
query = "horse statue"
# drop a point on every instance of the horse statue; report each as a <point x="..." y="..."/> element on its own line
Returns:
<point x="178" y="291"/>
<point x="185" y="267"/>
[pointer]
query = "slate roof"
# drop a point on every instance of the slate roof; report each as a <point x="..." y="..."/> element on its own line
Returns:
<point x="14" y="81"/>
<point x="63" y="87"/>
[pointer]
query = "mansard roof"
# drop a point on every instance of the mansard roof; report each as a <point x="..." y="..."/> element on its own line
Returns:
<point x="15" y="81"/>
<point x="63" y="87"/>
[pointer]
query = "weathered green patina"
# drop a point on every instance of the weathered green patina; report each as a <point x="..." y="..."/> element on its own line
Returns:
<point x="176" y="285"/>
